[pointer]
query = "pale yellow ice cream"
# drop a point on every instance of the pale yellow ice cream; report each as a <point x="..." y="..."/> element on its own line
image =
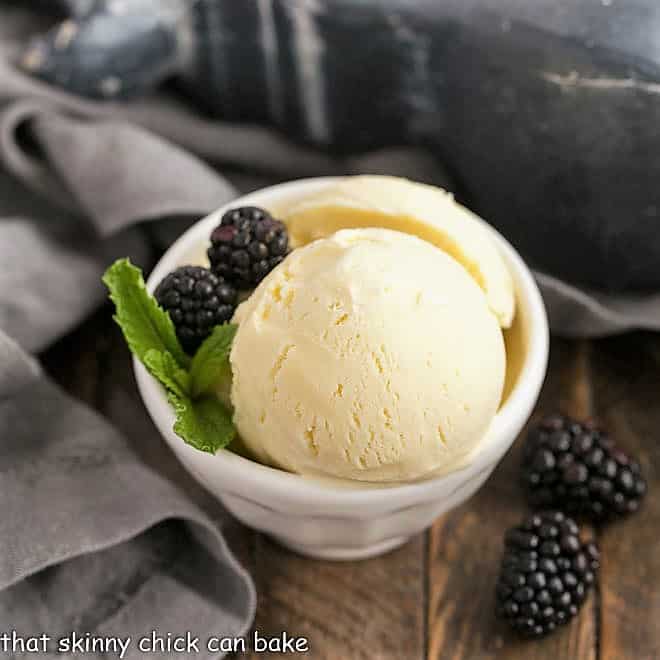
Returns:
<point x="369" y="355"/>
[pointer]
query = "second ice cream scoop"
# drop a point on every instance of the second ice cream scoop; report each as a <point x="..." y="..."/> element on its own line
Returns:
<point x="414" y="208"/>
<point x="369" y="355"/>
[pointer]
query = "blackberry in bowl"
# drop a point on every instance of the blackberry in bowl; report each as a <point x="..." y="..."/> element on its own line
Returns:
<point x="197" y="300"/>
<point x="246" y="245"/>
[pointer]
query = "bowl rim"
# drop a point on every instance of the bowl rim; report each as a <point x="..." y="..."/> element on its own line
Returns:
<point x="245" y="474"/>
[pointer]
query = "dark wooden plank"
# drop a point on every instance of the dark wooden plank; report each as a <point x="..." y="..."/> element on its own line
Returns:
<point x="627" y="376"/>
<point x="465" y="546"/>
<point x="372" y="609"/>
<point x="73" y="361"/>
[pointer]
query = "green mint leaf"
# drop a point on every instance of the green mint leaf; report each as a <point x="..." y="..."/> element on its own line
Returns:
<point x="204" y="423"/>
<point x="145" y="325"/>
<point x="201" y="419"/>
<point x="164" y="368"/>
<point x="211" y="361"/>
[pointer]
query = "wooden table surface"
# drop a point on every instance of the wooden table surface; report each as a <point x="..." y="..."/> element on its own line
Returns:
<point x="433" y="598"/>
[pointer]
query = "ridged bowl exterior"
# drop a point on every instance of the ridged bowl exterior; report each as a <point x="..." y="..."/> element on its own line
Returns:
<point x="343" y="521"/>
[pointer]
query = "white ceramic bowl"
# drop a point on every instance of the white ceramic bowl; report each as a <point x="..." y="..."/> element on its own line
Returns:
<point x="344" y="521"/>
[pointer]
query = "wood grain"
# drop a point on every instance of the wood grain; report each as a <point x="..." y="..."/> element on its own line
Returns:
<point x="368" y="610"/>
<point x="74" y="360"/>
<point x="434" y="597"/>
<point x="466" y="544"/>
<point x="627" y="376"/>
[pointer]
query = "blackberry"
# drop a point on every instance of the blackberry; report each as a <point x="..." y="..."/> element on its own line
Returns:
<point x="246" y="245"/>
<point x="196" y="300"/>
<point x="577" y="468"/>
<point x="545" y="574"/>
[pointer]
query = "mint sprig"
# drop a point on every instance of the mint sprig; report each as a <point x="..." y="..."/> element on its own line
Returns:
<point x="204" y="420"/>
<point x="145" y="324"/>
<point x="201" y="419"/>
<point x="164" y="368"/>
<point x="211" y="361"/>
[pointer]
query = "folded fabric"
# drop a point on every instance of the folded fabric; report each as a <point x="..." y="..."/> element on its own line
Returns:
<point x="98" y="535"/>
<point x="93" y="539"/>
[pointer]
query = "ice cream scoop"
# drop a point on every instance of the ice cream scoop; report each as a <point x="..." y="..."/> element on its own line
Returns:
<point x="369" y="355"/>
<point x="425" y="211"/>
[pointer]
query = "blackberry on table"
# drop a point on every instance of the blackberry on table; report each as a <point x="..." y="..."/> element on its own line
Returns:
<point x="545" y="574"/>
<point x="577" y="468"/>
<point x="197" y="300"/>
<point x="246" y="245"/>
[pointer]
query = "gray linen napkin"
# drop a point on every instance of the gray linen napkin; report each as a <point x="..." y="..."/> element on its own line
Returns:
<point x="94" y="538"/>
<point x="101" y="533"/>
